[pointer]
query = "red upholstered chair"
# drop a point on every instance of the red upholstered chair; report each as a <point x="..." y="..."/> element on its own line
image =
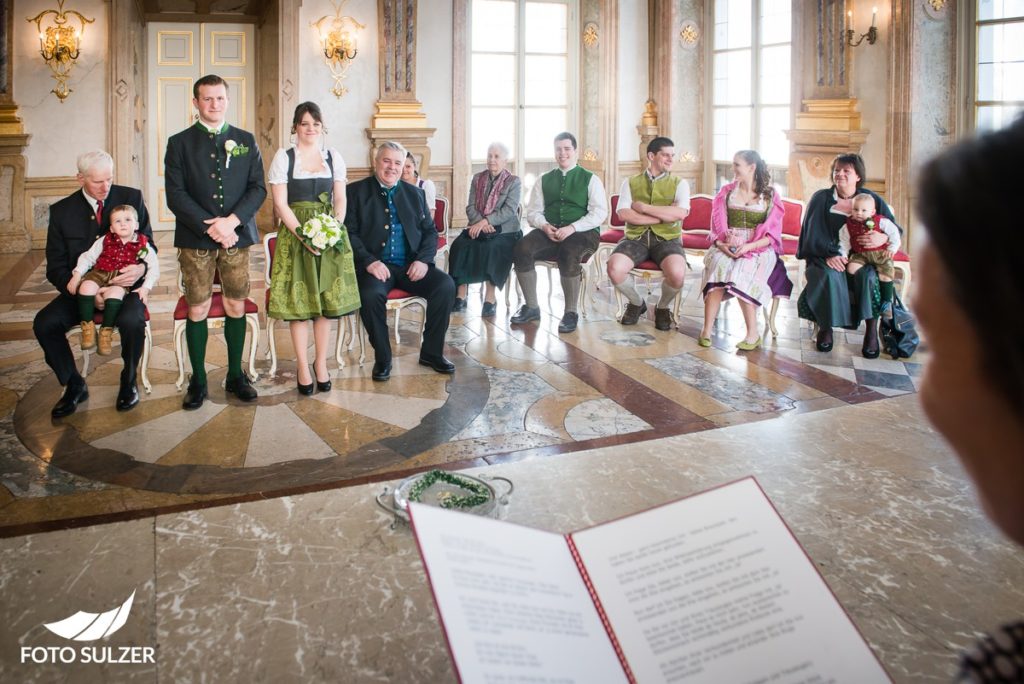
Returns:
<point x="442" y="218"/>
<point x="792" y="223"/>
<point x="697" y="225"/>
<point x="609" y="239"/>
<point x="902" y="264"/>
<point x="147" y="347"/>
<point x="215" y="319"/>
<point x="346" y="324"/>
<point x="646" y="271"/>
<point x="397" y="300"/>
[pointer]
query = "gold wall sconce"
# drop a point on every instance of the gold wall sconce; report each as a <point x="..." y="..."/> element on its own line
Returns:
<point x="60" y="43"/>
<point x="872" y="32"/>
<point x="338" y="38"/>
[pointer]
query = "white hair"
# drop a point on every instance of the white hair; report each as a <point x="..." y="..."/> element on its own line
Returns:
<point x="391" y="145"/>
<point x="501" y="147"/>
<point x="94" y="159"/>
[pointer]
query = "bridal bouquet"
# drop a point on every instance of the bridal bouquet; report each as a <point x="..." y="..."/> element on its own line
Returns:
<point x="321" y="231"/>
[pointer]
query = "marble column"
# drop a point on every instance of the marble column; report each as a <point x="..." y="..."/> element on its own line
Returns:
<point x="125" y="125"/>
<point x="598" y="97"/>
<point x="399" y="115"/>
<point x="828" y="123"/>
<point x="14" y="235"/>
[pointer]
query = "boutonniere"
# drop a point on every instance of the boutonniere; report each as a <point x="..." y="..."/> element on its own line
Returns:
<point x="233" y="149"/>
<point x="143" y="249"/>
<point x="870" y="223"/>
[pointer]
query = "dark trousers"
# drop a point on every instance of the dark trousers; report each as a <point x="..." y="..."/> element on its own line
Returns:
<point x="568" y="253"/>
<point x="55" y="319"/>
<point x="437" y="287"/>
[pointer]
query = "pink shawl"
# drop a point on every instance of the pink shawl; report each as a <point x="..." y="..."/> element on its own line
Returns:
<point x="771" y="228"/>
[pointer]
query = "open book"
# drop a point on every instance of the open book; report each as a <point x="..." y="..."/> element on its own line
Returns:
<point x="710" y="588"/>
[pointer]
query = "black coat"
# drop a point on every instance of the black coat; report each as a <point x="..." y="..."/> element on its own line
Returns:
<point x="194" y="166"/>
<point x="367" y="222"/>
<point x="73" y="229"/>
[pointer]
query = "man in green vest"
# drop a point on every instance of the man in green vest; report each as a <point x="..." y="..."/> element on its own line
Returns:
<point x="566" y="208"/>
<point x="653" y="205"/>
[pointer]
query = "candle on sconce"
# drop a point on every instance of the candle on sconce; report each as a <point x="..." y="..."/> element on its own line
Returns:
<point x="849" y="20"/>
<point x="874" y="15"/>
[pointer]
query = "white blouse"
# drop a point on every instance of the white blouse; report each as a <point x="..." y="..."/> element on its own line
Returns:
<point x="278" y="173"/>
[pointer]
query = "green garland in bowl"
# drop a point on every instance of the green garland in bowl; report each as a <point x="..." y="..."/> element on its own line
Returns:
<point x="479" y="493"/>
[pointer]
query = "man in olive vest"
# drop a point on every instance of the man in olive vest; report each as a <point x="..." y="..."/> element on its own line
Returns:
<point x="653" y="205"/>
<point x="566" y="208"/>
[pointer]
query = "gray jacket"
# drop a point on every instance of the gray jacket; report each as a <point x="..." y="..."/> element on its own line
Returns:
<point x="505" y="217"/>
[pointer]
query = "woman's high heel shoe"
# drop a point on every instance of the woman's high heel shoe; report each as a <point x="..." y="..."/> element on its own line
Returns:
<point x="305" y="390"/>
<point x="323" y="386"/>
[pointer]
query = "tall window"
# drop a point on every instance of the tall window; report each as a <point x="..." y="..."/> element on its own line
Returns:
<point x="750" y="98"/>
<point x="521" y="72"/>
<point x="999" y="62"/>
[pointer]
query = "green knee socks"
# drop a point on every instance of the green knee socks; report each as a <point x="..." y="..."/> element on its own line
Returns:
<point x="86" y="307"/>
<point x="196" y="333"/>
<point x="234" y="338"/>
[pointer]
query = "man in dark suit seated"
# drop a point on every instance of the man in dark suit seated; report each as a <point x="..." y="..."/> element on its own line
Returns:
<point x="394" y="243"/>
<point x="76" y="222"/>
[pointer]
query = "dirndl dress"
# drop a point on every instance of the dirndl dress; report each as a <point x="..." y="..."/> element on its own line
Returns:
<point x="304" y="285"/>
<point x="745" y="277"/>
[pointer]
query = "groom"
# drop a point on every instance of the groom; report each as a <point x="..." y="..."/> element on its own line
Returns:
<point x="214" y="182"/>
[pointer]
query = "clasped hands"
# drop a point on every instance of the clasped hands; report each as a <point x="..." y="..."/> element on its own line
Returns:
<point x="557" y="234"/>
<point x="481" y="226"/>
<point x="379" y="270"/>
<point x="221" y="230"/>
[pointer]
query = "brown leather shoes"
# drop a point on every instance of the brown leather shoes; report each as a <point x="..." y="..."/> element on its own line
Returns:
<point x="633" y="313"/>
<point x="663" y="319"/>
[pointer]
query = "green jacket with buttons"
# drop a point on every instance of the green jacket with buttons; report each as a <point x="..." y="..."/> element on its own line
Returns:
<point x="201" y="183"/>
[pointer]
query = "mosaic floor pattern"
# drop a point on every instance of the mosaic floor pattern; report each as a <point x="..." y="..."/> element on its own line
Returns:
<point x="518" y="392"/>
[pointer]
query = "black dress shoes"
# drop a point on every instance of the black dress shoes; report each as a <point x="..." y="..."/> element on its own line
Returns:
<point x="195" y="395"/>
<point x="74" y="394"/>
<point x="488" y="310"/>
<point x="304" y="390"/>
<point x="323" y="386"/>
<point x="824" y="341"/>
<point x="381" y="370"/>
<point x="569" y="322"/>
<point x="440" y="364"/>
<point x="459" y="305"/>
<point x="526" y="314"/>
<point x="128" y="396"/>
<point x="241" y="387"/>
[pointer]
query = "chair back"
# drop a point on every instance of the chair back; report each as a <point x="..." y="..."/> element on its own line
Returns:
<point x="699" y="218"/>
<point x="269" y="247"/>
<point x="792" y="219"/>
<point x="613" y="218"/>
<point x="441" y="216"/>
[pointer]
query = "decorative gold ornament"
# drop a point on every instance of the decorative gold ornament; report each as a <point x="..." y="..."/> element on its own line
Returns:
<point x="589" y="154"/>
<point x="937" y="5"/>
<point x="689" y="34"/>
<point x="590" y="35"/>
<point x="337" y="37"/>
<point x="688" y="157"/>
<point x="60" y="44"/>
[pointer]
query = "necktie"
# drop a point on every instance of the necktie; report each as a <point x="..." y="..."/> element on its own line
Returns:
<point x="99" y="212"/>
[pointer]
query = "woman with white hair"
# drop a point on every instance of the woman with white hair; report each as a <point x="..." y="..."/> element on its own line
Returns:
<point x="483" y="251"/>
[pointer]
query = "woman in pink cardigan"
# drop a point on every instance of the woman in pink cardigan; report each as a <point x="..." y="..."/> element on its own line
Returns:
<point x="746" y="237"/>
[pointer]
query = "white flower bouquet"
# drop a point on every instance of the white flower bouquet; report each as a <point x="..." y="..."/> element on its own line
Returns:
<point x="321" y="231"/>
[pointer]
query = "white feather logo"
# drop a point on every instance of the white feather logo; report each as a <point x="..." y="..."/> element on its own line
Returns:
<point x="84" y="626"/>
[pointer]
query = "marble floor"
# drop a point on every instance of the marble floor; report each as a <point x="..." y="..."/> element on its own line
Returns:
<point x="251" y="539"/>
<point x="320" y="587"/>
<point x="519" y="392"/>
